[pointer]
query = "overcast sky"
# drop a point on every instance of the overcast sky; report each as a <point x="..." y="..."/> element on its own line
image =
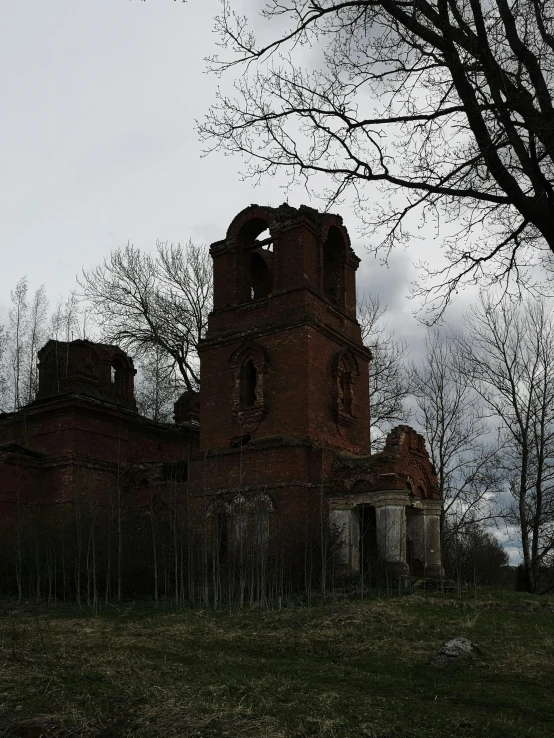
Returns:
<point x="99" y="145"/>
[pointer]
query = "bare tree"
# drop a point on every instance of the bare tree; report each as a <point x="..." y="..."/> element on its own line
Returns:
<point x="3" y="370"/>
<point x="65" y="320"/>
<point x="388" y="385"/>
<point x="447" y="105"/>
<point x="462" y="447"/>
<point x="508" y="355"/>
<point x="474" y="555"/>
<point x="29" y="326"/>
<point x="18" y="325"/>
<point x="142" y="302"/>
<point x="158" y="386"/>
<point x="38" y="314"/>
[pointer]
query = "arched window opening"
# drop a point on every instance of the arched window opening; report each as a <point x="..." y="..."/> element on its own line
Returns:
<point x="261" y="278"/>
<point x="250" y="378"/>
<point x="333" y="257"/>
<point x="117" y="378"/>
<point x="256" y="245"/>
<point x="249" y="381"/>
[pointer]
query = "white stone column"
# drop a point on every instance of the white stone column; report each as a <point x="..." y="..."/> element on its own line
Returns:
<point x="432" y="522"/>
<point x="390" y="509"/>
<point x="346" y="525"/>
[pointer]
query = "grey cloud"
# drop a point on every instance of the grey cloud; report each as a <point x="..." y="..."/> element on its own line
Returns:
<point x="99" y="145"/>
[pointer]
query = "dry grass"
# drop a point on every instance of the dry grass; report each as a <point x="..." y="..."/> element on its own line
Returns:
<point x="335" y="670"/>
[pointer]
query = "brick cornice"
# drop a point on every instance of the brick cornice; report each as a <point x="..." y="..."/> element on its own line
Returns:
<point x="253" y="304"/>
<point x="228" y="338"/>
<point x="79" y="405"/>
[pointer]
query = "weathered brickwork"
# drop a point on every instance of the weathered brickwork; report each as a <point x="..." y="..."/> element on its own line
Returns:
<point x="86" y="439"/>
<point x="280" y="428"/>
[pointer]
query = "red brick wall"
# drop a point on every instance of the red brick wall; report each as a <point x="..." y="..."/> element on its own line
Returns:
<point x="81" y="448"/>
<point x="299" y="329"/>
<point x="88" y="447"/>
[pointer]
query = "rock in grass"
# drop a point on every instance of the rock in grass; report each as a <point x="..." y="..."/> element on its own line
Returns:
<point x="455" y="650"/>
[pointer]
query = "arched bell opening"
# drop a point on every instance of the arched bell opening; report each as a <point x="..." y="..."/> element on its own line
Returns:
<point x="261" y="277"/>
<point x="334" y="250"/>
<point x="117" y="378"/>
<point x="257" y="262"/>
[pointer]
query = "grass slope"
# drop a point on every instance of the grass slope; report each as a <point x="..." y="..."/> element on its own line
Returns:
<point x="333" y="670"/>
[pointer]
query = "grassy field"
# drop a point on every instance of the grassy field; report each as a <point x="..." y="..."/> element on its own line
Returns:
<point x="346" y="668"/>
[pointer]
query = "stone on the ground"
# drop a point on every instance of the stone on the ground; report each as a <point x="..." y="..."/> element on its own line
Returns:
<point x="456" y="649"/>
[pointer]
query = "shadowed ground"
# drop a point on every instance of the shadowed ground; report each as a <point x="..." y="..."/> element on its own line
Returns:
<point x="341" y="669"/>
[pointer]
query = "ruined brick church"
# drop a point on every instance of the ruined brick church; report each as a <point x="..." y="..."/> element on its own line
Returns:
<point x="277" y="439"/>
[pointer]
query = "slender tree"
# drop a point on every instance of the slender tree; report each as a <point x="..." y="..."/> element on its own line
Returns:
<point x="462" y="446"/>
<point x="38" y="314"/>
<point x="388" y="385"/>
<point x="65" y="320"/>
<point x="18" y="325"/>
<point x="3" y="370"/>
<point x="507" y="353"/>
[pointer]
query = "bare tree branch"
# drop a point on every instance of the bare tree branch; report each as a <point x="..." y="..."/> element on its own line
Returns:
<point x="144" y="303"/>
<point x="444" y="107"/>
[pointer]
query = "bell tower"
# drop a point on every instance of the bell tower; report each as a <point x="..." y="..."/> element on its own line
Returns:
<point x="283" y="356"/>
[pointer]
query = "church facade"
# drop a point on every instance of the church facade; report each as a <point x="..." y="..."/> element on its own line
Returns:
<point x="276" y="442"/>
